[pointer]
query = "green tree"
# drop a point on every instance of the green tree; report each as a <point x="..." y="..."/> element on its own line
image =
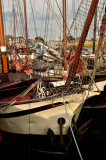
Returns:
<point x="70" y="38"/>
<point x="39" y="39"/>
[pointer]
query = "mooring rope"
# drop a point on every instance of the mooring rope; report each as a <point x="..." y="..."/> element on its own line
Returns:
<point x="72" y="130"/>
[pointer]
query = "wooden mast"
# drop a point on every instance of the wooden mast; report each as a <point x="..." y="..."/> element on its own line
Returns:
<point x="64" y="33"/>
<point x="26" y="33"/>
<point x="73" y="69"/>
<point x="94" y="36"/>
<point x="26" y="27"/>
<point x="14" y="33"/>
<point x="3" y="47"/>
<point x="2" y="30"/>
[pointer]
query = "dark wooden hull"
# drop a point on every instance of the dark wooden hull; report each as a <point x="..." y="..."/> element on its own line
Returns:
<point x="97" y="128"/>
<point x="93" y="142"/>
<point x="15" y="83"/>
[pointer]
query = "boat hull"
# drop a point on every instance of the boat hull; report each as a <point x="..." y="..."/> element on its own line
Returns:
<point x="38" y="117"/>
<point x="97" y="128"/>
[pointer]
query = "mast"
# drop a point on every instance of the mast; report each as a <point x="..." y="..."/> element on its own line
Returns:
<point x="3" y="56"/>
<point x="64" y="33"/>
<point x="3" y="48"/>
<point x="94" y="36"/>
<point x="73" y="69"/>
<point x="14" y="34"/>
<point x="100" y="41"/>
<point x="26" y="27"/>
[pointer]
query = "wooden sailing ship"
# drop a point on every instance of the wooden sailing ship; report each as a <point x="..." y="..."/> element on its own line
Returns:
<point x="23" y="76"/>
<point x="94" y="110"/>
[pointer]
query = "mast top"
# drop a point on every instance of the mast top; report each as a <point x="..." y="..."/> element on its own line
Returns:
<point x="3" y="47"/>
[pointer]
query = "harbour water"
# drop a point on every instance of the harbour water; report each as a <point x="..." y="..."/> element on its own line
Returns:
<point x="89" y="150"/>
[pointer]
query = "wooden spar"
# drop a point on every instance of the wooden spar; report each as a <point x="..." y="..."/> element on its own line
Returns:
<point x="26" y="27"/>
<point x="94" y="36"/>
<point x="100" y="42"/>
<point x="3" y="58"/>
<point x="64" y="33"/>
<point x="2" y="30"/>
<point x="102" y="34"/>
<point x="14" y="34"/>
<point x="73" y="69"/>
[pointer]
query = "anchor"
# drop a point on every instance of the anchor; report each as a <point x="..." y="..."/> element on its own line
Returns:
<point x="61" y="122"/>
<point x="79" y="132"/>
<point x="52" y="138"/>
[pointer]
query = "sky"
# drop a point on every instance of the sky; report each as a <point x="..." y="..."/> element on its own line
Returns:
<point x="41" y="20"/>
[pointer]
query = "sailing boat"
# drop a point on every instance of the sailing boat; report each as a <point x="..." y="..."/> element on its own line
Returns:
<point x="16" y="82"/>
<point x="46" y="111"/>
<point x="7" y="79"/>
<point x="94" y="109"/>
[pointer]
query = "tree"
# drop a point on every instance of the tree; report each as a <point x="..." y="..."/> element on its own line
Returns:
<point x="70" y="38"/>
<point x="39" y="39"/>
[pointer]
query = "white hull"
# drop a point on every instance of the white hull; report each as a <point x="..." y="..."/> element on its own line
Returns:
<point x="38" y="123"/>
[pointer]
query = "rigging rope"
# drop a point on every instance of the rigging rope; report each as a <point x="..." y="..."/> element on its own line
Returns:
<point x="81" y="15"/>
<point x="33" y="17"/>
<point x="52" y="23"/>
<point x="42" y="18"/>
<point x="10" y="27"/>
<point x="20" y="96"/>
<point x="4" y="17"/>
<point x="46" y="23"/>
<point x="72" y="129"/>
<point x="19" y="19"/>
<point x="55" y="15"/>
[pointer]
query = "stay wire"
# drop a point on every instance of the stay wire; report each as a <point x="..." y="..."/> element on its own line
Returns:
<point x="33" y="17"/>
<point x="72" y="130"/>
<point x="20" y="19"/>
<point x="29" y="132"/>
<point x="54" y="14"/>
<point x="46" y="24"/>
<point x="4" y="17"/>
<point x="42" y="18"/>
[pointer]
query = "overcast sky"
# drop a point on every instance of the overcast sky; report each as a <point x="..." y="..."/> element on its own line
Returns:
<point x="40" y="20"/>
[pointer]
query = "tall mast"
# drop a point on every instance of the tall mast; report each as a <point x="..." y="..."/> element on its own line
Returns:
<point x="73" y="69"/>
<point x="64" y="33"/>
<point x="94" y="36"/>
<point x="14" y="34"/>
<point x="26" y="27"/>
<point x="3" y="48"/>
<point x="3" y="57"/>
